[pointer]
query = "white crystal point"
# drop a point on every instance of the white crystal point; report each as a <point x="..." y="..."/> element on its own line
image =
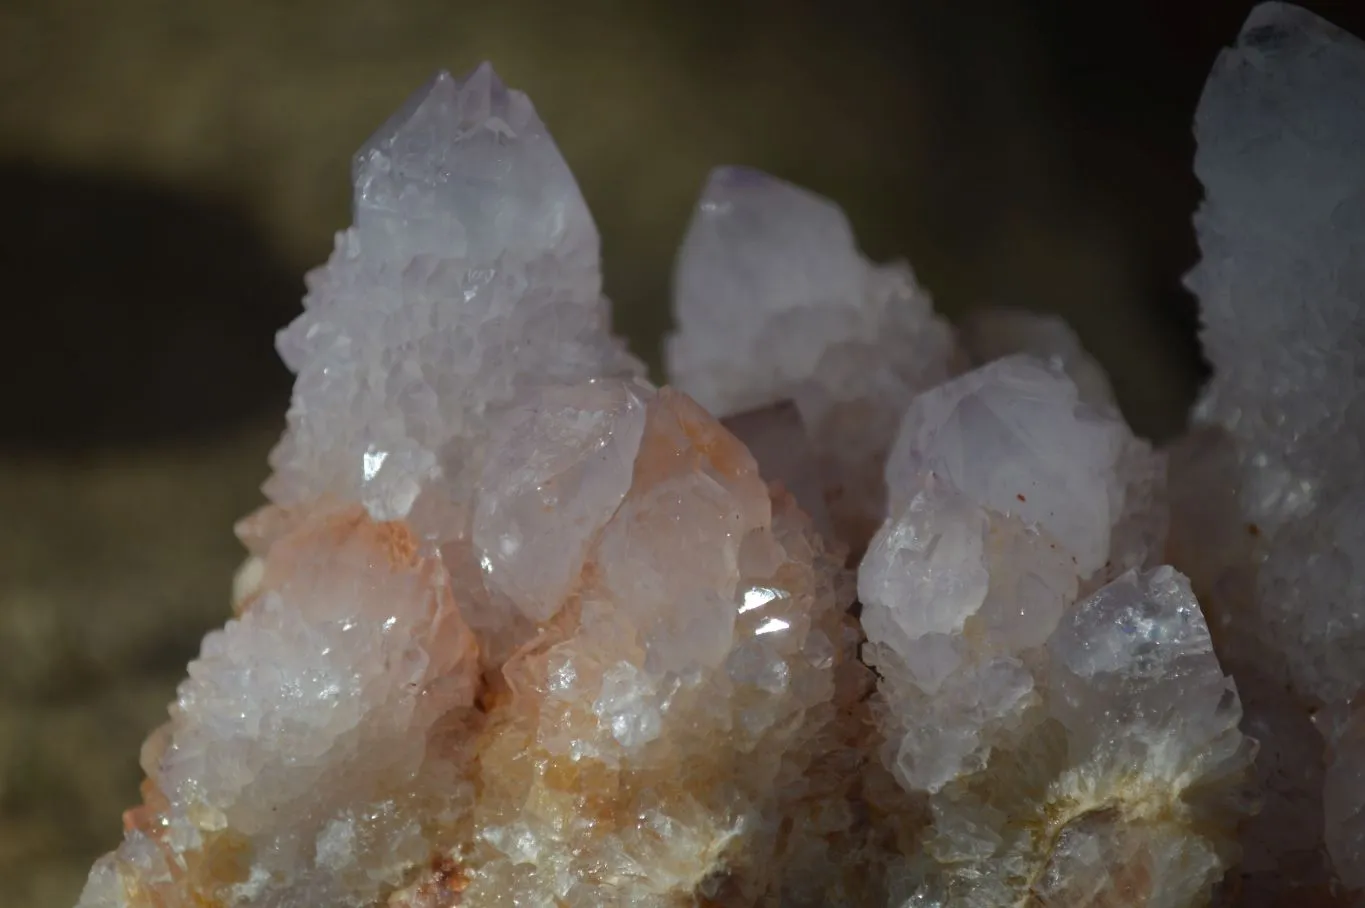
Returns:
<point x="1282" y="295"/>
<point x="559" y="468"/>
<point x="470" y="278"/>
<point x="1138" y="688"/>
<point x="774" y="301"/>
<point x="472" y="164"/>
<point x="757" y="242"/>
<point x="1010" y="498"/>
<point x="952" y="594"/>
<point x="1015" y="438"/>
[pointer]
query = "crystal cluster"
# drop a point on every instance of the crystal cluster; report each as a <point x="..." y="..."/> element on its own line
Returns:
<point x="520" y="628"/>
<point x="861" y="610"/>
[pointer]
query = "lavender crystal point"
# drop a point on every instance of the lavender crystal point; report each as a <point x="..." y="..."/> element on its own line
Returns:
<point x="472" y="163"/>
<point x="471" y="275"/>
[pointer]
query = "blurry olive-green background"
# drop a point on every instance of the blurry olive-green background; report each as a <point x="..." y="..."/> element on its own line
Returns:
<point x="169" y="168"/>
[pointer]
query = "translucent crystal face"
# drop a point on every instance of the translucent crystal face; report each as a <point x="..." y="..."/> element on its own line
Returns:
<point x="559" y="468"/>
<point x="1014" y="436"/>
<point x="1024" y="711"/>
<point x="470" y="278"/>
<point x="759" y="246"/>
<point x="465" y="169"/>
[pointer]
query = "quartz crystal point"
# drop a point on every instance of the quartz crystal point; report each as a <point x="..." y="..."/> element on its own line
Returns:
<point x="1271" y="519"/>
<point x="662" y="711"/>
<point x="1073" y="749"/>
<point x="774" y="301"/>
<point x="470" y="275"/>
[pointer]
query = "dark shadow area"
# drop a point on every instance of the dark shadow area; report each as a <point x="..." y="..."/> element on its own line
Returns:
<point x="136" y="315"/>
<point x="1126" y="78"/>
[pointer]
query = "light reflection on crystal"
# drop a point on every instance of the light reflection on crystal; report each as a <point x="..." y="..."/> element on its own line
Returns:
<point x="772" y="626"/>
<point x="373" y="461"/>
<point x="759" y="596"/>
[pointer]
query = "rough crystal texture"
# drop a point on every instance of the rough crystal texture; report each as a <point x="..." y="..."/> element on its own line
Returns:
<point x="1271" y="500"/>
<point x="1054" y="738"/>
<point x="517" y="630"/>
<point x="650" y="740"/>
<point x="644" y="745"/>
<point x="305" y="744"/>
<point x="471" y="274"/>
<point x="1015" y="437"/>
<point x="774" y="301"/>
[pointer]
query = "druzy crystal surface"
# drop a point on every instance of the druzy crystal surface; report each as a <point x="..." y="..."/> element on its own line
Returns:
<point x="862" y="610"/>
<point x="471" y="275"/>
<point x="1271" y="488"/>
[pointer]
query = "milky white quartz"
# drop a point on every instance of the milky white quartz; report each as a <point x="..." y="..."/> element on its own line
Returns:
<point x="774" y="301"/>
<point x="1273" y="483"/>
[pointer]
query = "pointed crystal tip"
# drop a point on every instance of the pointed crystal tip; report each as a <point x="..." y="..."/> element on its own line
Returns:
<point x="444" y="106"/>
<point x="466" y="168"/>
<point x="766" y="202"/>
<point x="757" y="240"/>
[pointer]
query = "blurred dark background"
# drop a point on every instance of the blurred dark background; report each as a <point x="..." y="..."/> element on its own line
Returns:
<point x="169" y="168"/>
